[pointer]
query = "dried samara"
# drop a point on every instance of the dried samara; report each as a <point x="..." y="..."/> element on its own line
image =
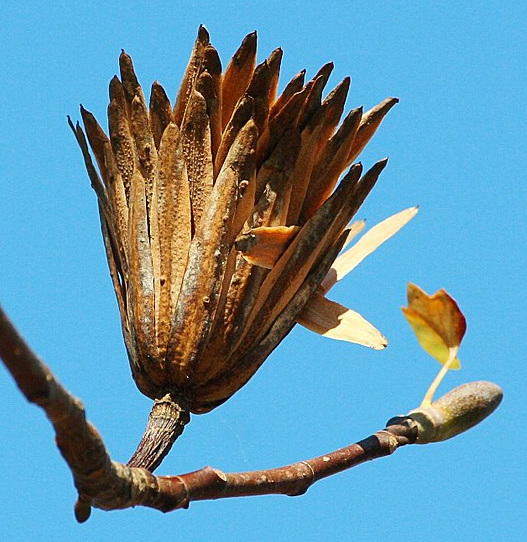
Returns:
<point x="222" y="218"/>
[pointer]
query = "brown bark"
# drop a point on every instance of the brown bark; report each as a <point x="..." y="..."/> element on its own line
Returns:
<point x="165" y="424"/>
<point x="109" y="485"/>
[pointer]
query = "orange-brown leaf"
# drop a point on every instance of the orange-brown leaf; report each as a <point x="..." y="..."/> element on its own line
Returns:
<point x="438" y="324"/>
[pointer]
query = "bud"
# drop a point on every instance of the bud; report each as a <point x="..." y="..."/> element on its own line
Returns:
<point x="456" y="411"/>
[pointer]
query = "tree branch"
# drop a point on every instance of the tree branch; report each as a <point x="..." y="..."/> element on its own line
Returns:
<point x="110" y="485"/>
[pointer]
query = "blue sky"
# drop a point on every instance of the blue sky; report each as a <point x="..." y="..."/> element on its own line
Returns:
<point x="457" y="148"/>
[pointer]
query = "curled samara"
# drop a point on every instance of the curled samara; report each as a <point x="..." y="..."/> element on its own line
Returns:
<point x="222" y="217"/>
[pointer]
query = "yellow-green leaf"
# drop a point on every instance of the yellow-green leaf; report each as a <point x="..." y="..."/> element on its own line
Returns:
<point x="437" y="322"/>
<point x="429" y="339"/>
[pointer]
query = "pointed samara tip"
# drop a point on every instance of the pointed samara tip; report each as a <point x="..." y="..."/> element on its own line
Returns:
<point x="249" y="41"/>
<point x="74" y="127"/>
<point x="385" y="105"/>
<point x="203" y="33"/>
<point x="382" y="162"/>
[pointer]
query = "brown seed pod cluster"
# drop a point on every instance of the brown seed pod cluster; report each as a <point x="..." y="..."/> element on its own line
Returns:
<point x="221" y="216"/>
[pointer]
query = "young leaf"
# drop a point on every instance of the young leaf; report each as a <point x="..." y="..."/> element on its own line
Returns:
<point x="437" y="322"/>
<point x="439" y="326"/>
